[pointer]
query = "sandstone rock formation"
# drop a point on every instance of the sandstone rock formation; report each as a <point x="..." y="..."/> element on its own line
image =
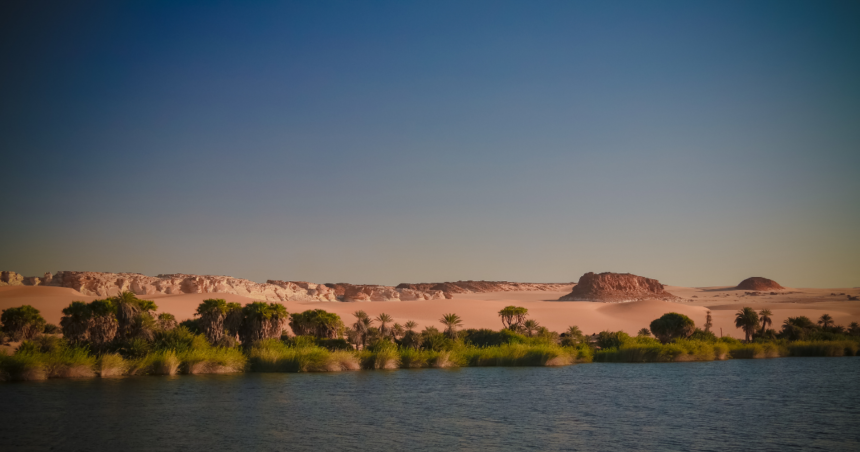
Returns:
<point x="109" y="284"/>
<point x="451" y="288"/>
<point x="11" y="279"/>
<point x="616" y="287"/>
<point x="759" y="283"/>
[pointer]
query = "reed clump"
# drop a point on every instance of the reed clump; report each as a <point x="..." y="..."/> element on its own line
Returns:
<point x="384" y="356"/>
<point x="649" y="350"/>
<point x="47" y="357"/>
<point x="22" y="367"/>
<point x="111" y="365"/>
<point x="272" y="355"/>
<point x="756" y="350"/>
<point x="541" y="354"/>
<point x="823" y="348"/>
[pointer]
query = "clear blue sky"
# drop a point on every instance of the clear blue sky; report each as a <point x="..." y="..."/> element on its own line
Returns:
<point x="382" y="142"/>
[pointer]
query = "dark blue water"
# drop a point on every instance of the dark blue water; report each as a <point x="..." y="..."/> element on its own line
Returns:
<point x="780" y="404"/>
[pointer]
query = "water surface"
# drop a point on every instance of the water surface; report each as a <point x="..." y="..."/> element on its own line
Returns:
<point x="780" y="404"/>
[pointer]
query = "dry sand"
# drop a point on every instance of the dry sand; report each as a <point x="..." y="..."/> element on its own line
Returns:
<point x="480" y="310"/>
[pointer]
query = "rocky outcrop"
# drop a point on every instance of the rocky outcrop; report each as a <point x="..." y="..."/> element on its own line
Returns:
<point x="451" y="288"/>
<point x="100" y="284"/>
<point x="11" y="279"/>
<point x="759" y="283"/>
<point x="386" y="293"/>
<point x="616" y="287"/>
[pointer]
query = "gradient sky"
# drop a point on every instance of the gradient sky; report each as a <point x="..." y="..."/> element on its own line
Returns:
<point x="383" y="142"/>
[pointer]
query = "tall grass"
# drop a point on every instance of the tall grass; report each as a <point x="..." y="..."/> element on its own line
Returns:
<point x="411" y="358"/>
<point x="161" y="362"/>
<point x="756" y="350"/>
<point x="383" y="357"/>
<point x="71" y="362"/>
<point x="111" y="365"/>
<point x="516" y="355"/>
<point x="22" y="367"/>
<point x="208" y="360"/>
<point x="823" y="348"/>
<point x="643" y="350"/>
<point x="272" y="355"/>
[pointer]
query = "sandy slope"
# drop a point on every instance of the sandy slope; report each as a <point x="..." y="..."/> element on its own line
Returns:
<point x="479" y="310"/>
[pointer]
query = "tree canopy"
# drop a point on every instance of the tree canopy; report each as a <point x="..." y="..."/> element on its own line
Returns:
<point x="672" y="326"/>
<point x="23" y="322"/>
<point x="513" y="317"/>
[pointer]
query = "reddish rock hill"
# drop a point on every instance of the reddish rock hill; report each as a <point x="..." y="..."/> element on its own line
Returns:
<point x="758" y="283"/>
<point x="451" y="288"/>
<point x="616" y="287"/>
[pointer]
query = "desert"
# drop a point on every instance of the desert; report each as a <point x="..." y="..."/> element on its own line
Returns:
<point x="477" y="307"/>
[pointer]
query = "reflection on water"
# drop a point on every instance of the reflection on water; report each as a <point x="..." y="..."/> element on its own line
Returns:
<point x="798" y="403"/>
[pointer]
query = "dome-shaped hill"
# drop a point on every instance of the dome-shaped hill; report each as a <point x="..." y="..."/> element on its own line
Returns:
<point x="759" y="283"/>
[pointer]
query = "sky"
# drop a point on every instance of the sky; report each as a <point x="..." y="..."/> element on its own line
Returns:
<point x="698" y="143"/>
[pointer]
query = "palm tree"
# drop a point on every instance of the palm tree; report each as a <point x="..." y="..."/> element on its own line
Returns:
<point x="103" y="324"/>
<point x="826" y="321"/>
<point x="362" y="326"/>
<point x="127" y="309"/>
<point x="854" y="329"/>
<point x="397" y="331"/>
<point x="765" y="318"/>
<point x="797" y="328"/>
<point x="263" y="321"/>
<point x="410" y="325"/>
<point x="530" y="326"/>
<point x="452" y="322"/>
<point x="130" y="313"/>
<point x="233" y="319"/>
<point x="76" y="321"/>
<point x="573" y="331"/>
<point x="383" y="319"/>
<point x="709" y="322"/>
<point x="166" y="321"/>
<point x="212" y="313"/>
<point x="747" y="319"/>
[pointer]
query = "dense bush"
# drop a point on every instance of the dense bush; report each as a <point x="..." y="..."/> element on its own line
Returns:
<point x="490" y="338"/>
<point x="23" y="322"/>
<point x="672" y="326"/>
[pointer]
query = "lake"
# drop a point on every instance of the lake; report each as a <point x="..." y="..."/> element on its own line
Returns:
<point x="778" y="404"/>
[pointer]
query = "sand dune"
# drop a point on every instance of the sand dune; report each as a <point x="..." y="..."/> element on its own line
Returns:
<point x="479" y="310"/>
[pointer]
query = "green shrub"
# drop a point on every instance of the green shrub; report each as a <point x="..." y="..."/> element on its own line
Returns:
<point x="611" y="339"/>
<point x="192" y="325"/>
<point x="490" y="338"/>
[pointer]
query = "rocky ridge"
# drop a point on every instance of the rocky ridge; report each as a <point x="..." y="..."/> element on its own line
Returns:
<point x="759" y="283"/>
<point x="109" y="284"/>
<point x="451" y="288"/>
<point x="616" y="287"/>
